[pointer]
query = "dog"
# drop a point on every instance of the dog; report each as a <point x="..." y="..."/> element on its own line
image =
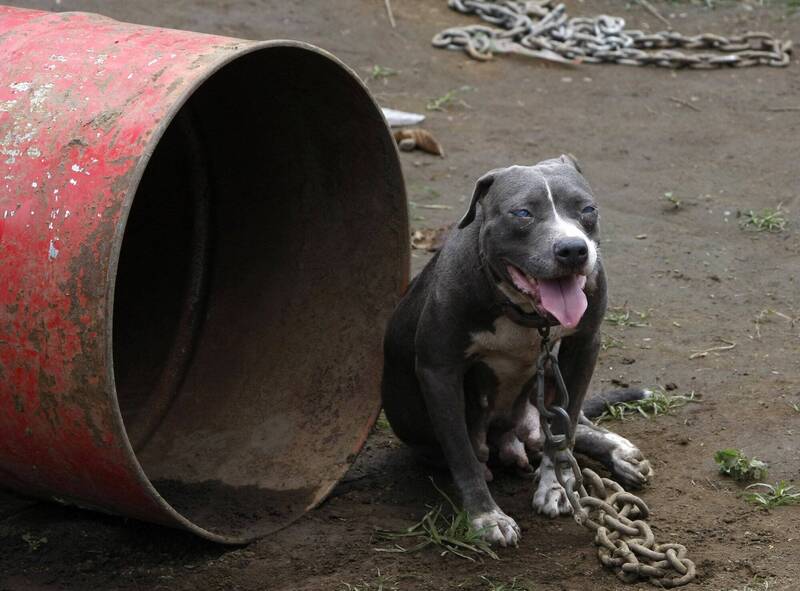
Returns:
<point x="462" y="345"/>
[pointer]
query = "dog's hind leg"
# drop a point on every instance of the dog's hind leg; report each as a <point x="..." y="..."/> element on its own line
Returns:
<point x="622" y="458"/>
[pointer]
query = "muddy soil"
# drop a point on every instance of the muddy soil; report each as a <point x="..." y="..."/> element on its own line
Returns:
<point x="691" y="270"/>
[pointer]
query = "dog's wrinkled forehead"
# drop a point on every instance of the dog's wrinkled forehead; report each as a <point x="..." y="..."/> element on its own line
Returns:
<point x="546" y="182"/>
<point x="557" y="183"/>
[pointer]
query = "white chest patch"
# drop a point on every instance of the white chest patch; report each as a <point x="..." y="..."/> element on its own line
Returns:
<point x="511" y="352"/>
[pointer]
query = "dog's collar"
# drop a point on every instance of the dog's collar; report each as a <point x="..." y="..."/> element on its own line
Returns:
<point x="503" y="305"/>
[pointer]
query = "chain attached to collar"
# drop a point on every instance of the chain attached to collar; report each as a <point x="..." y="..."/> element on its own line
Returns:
<point x="624" y="539"/>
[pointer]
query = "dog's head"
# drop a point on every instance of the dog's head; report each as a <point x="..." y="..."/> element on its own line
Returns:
<point x="538" y="236"/>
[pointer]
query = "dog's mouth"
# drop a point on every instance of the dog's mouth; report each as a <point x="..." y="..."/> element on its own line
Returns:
<point x="562" y="298"/>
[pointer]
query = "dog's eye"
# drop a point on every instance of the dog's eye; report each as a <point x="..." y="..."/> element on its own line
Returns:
<point x="521" y="213"/>
<point x="589" y="209"/>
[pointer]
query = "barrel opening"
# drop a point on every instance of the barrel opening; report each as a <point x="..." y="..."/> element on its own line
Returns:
<point x="262" y="255"/>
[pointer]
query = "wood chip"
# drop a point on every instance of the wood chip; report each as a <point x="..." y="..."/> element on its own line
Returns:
<point x="430" y="239"/>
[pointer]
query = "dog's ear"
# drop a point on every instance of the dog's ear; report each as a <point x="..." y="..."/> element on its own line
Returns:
<point x="572" y="161"/>
<point x="481" y="187"/>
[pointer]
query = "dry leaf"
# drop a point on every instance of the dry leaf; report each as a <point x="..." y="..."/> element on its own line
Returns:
<point x="430" y="239"/>
<point x="419" y="139"/>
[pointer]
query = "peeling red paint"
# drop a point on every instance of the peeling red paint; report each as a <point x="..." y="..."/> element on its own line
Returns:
<point x="84" y="101"/>
<point x="81" y="99"/>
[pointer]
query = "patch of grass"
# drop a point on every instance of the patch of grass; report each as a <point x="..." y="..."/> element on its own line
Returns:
<point x="514" y="585"/>
<point x="660" y="403"/>
<point x="734" y="463"/>
<point x="380" y="72"/>
<point x="382" y="423"/>
<point x="766" y="220"/>
<point x="380" y="583"/>
<point x="608" y="341"/>
<point x="448" y="99"/>
<point x="451" y="533"/>
<point x="779" y="495"/>
<point x="624" y="316"/>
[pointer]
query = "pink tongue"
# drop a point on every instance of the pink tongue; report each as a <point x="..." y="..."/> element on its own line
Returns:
<point x="564" y="298"/>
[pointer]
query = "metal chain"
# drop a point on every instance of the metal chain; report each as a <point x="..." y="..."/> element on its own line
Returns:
<point x="624" y="539"/>
<point x="543" y="30"/>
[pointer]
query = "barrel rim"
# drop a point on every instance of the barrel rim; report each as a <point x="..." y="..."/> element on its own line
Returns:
<point x="248" y="48"/>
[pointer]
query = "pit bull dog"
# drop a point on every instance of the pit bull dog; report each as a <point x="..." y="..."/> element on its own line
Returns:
<point x="462" y="345"/>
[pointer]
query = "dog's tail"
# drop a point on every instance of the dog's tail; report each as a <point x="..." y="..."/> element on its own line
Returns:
<point x="594" y="406"/>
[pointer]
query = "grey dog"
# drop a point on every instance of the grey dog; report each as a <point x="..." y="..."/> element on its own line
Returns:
<point x="462" y="345"/>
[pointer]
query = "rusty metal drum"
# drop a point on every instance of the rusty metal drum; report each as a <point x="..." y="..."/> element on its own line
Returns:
<point x="201" y="239"/>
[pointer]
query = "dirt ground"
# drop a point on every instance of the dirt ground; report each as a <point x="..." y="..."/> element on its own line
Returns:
<point x="692" y="270"/>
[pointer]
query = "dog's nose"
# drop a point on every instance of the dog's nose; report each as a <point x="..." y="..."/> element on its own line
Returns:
<point x="571" y="252"/>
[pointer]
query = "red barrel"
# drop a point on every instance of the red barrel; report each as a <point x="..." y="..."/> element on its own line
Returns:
<point x="201" y="239"/>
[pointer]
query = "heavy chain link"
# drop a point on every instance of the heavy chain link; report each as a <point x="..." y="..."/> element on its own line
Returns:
<point x="624" y="539"/>
<point x="542" y="29"/>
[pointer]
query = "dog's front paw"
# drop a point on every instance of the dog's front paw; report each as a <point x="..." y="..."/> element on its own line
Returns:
<point x="629" y="466"/>
<point x="550" y="497"/>
<point x="497" y="528"/>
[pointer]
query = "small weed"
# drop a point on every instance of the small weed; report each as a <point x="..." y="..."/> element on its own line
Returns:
<point x="733" y="463"/>
<point x="448" y="99"/>
<point x="514" y="585"/>
<point x="756" y="584"/>
<point x="766" y="220"/>
<point x="659" y="403"/>
<point x="610" y="342"/>
<point x="452" y="534"/>
<point x="33" y="542"/>
<point x="382" y="423"/>
<point x="779" y="495"/>
<point x="624" y="316"/>
<point x="673" y="202"/>
<point x="381" y="583"/>
<point x="380" y="72"/>
<point x="795" y="406"/>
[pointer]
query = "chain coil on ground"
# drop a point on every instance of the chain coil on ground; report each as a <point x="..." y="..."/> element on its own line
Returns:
<point x="624" y="539"/>
<point x="543" y="29"/>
